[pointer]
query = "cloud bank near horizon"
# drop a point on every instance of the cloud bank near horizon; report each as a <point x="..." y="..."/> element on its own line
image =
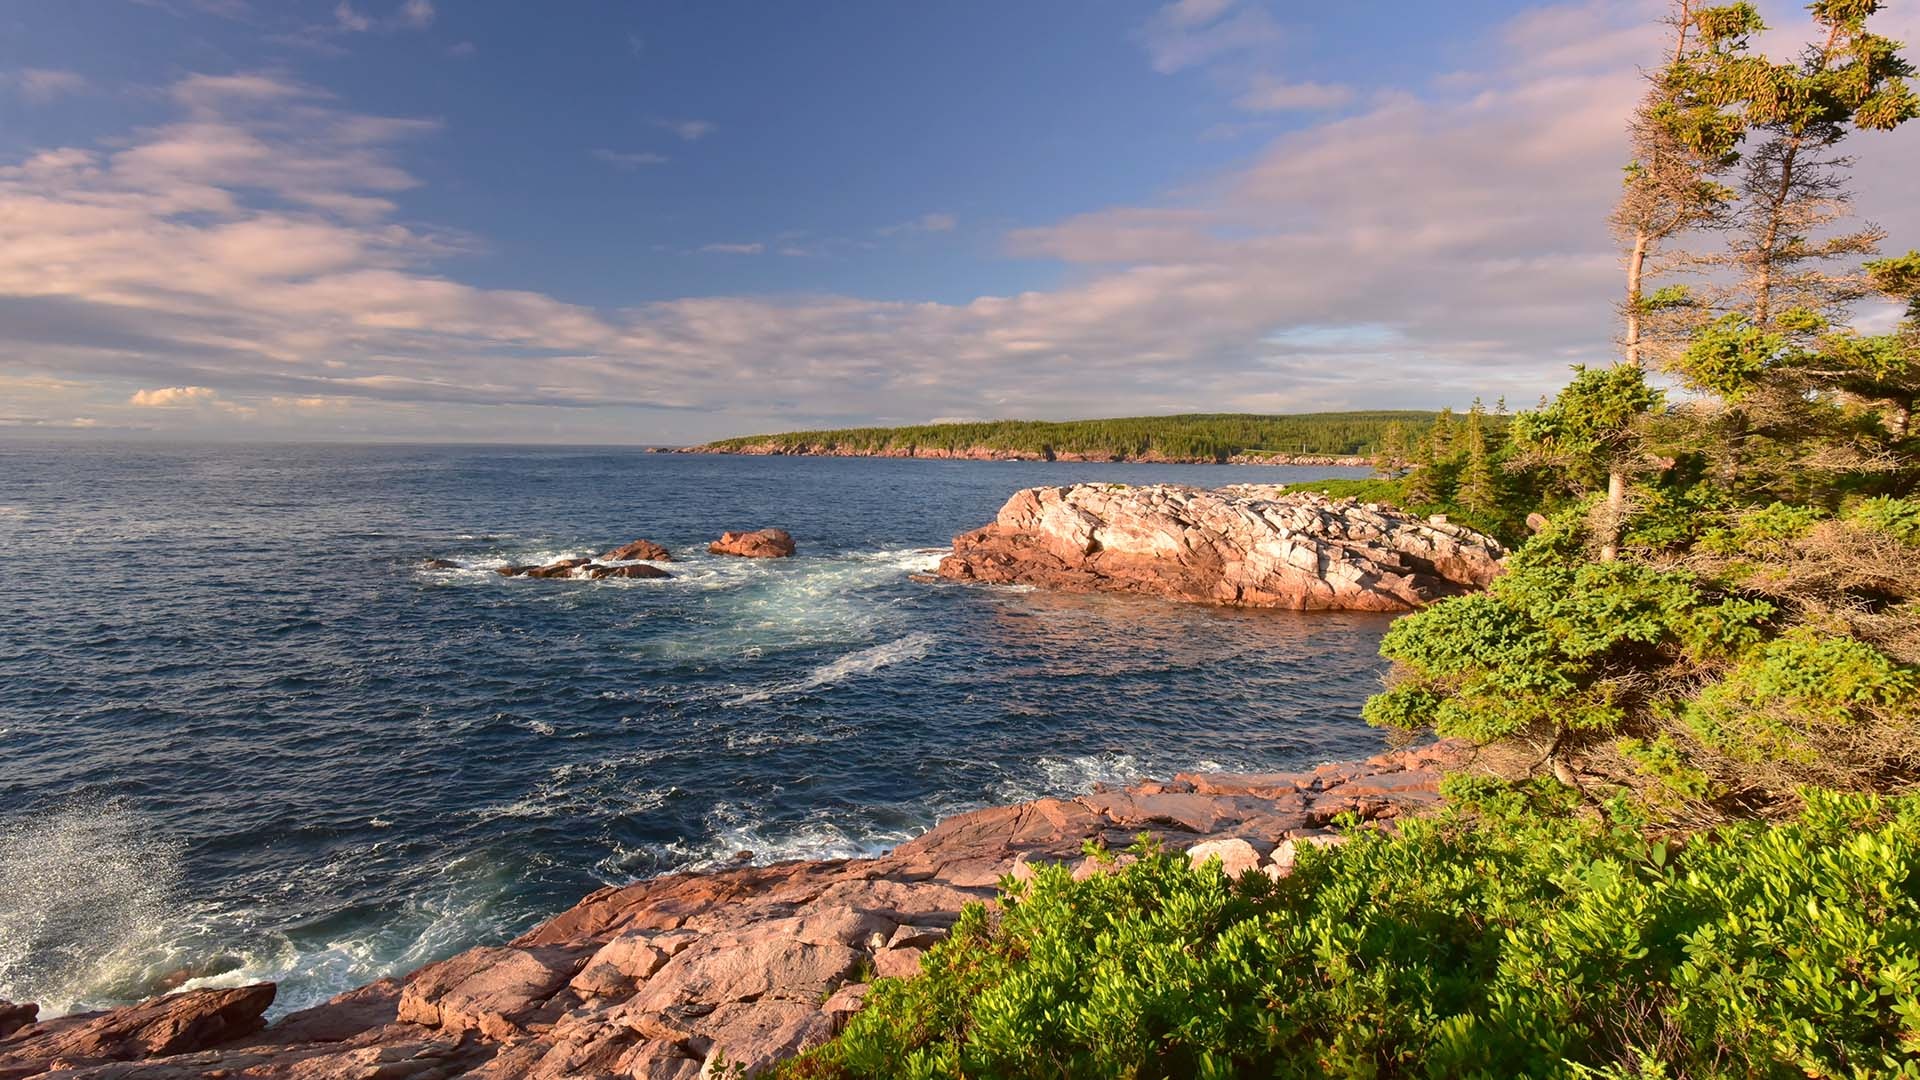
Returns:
<point x="245" y="265"/>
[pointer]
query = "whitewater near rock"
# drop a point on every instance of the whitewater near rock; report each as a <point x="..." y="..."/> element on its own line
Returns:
<point x="1247" y="545"/>
<point x="666" y="978"/>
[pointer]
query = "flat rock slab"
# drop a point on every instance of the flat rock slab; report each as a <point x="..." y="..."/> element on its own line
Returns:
<point x="671" y="977"/>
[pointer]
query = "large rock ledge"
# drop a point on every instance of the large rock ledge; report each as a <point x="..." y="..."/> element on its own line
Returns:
<point x="659" y="978"/>
<point x="1247" y="545"/>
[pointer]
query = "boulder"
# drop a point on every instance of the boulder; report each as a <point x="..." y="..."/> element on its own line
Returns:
<point x="14" y="1017"/>
<point x="758" y="544"/>
<point x="619" y="965"/>
<point x="493" y="991"/>
<point x="751" y="967"/>
<point x="175" y="1024"/>
<point x="1236" y="855"/>
<point x="560" y="569"/>
<point x="639" y="549"/>
<point x="439" y="564"/>
<point x="583" y="568"/>
<point x="1288" y="851"/>
<point x="1247" y="545"/>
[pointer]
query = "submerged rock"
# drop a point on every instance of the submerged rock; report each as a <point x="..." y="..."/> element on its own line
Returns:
<point x="748" y="964"/>
<point x="758" y="544"/>
<point x="1248" y="545"/>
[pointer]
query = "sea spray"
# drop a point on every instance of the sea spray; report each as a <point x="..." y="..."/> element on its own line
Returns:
<point x="92" y="908"/>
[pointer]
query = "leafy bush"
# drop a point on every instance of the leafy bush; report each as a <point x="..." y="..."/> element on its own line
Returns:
<point x="1493" y="942"/>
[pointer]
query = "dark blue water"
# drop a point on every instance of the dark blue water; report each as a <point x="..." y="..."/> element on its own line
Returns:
<point x="244" y="735"/>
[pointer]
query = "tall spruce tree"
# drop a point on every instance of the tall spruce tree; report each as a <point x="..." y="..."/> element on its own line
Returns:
<point x="1684" y="139"/>
<point x="1479" y="491"/>
<point x="1775" y="360"/>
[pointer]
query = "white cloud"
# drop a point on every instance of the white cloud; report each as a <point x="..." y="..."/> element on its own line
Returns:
<point x="733" y="249"/>
<point x="926" y="223"/>
<point x="350" y="20"/>
<point x="42" y="85"/>
<point x="621" y="159"/>
<point x="417" y="14"/>
<point x="1267" y="95"/>
<point x="1188" y="33"/>
<point x="690" y="130"/>
<point x="172" y="397"/>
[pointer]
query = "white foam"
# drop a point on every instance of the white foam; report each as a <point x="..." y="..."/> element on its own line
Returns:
<point x="1076" y="775"/>
<point x="91" y="914"/>
<point x="460" y="905"/>
<point x="862" y="662"/>
<point x="735" y="830"/>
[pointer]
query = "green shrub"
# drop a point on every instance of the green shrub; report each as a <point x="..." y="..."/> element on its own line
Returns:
<point x="1709" y="696"/>
<point x="1499" y="944"/>
<point x="1899" y="518"/>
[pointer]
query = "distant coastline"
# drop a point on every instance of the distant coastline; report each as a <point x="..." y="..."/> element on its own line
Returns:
<point x="988" y="453"/>
<point x="1331" y="439"/>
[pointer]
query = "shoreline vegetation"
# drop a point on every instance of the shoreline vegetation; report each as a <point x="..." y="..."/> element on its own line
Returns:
<point x="1331" y="438"/>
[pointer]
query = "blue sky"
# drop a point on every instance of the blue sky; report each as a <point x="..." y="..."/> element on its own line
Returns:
<point x="660" y="222"/>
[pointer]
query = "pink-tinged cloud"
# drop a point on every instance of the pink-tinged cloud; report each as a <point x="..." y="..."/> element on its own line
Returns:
<point x="1430" y="245"/>
<point x="172" y="397"/>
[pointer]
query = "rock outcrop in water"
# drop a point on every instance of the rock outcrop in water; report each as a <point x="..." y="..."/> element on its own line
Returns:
<point x="1249" y="545"/>
<point x="758" y="544"/>
<point x="639" y="549"/>
<point x="660" y="978"/>
<point x="583" y="568"/>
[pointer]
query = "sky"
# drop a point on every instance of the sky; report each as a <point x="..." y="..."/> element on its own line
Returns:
<point x="649" y="221"/>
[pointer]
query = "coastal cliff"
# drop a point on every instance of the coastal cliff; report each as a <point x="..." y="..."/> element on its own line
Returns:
<point x="671" y="977"/>
<point x="1246" y="545"/>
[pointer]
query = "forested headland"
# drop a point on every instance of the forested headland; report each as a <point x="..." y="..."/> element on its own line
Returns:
<point x="1191" y="437"/>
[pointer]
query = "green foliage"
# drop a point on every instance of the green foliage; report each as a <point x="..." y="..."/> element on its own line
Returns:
<point x="1730" y="356"/>
<point x="1585" y="429"/>
<point x="1769" y="706"/>
<point x="1194" y="437"/>
<point x="1899" y="518"/>
<point x="1768" y="530"/>
<point x="1501" y="943"/>
<point x="1710" y="695"/>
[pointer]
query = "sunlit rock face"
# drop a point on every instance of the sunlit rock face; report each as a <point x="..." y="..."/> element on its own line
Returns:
<point x="1248" y="545"/>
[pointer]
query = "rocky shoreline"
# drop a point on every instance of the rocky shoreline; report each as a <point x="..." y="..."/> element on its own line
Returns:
<point x="989" y="453"/>
<point x="1245" y="545"/>
<point x="665" y="978"/>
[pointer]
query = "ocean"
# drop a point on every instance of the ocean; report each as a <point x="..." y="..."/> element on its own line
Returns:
<point x="245" y="735"/>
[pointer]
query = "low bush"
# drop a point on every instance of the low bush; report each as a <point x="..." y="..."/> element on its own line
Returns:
<point x="1493" y="940"/>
